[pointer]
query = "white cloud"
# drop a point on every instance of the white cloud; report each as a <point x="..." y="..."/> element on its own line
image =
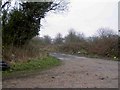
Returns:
<point x="84" y="16"/>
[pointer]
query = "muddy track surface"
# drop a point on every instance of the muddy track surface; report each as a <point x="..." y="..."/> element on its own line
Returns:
<point x="75" y="72"/>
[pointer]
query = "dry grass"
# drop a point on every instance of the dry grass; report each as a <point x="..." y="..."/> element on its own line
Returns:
<point x="23" y="54"/>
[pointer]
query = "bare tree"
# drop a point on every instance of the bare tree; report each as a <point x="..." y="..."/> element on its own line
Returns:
<point x="105" y="32"/>
<point x="58" y="39"/>
<point x="105" y="43"/>
<point x="47" y="39"/>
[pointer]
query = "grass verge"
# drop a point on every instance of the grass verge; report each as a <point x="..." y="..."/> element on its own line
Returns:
<point x="33" y="66"/>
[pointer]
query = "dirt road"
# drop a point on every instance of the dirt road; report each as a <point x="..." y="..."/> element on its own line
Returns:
<point x="75" y="72"/>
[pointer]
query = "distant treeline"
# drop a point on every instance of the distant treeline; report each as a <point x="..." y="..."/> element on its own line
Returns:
<point x="104" y="43"/>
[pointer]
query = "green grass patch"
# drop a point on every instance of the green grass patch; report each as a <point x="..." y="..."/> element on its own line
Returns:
<point x="30" y="67"/>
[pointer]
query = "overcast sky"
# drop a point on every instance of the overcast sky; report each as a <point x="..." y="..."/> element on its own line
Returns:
<point x="84" y="16"/>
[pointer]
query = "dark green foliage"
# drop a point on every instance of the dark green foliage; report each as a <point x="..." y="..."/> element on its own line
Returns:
<point x="21" y="25"/>
<point x="36" y="9"/>
<point x="15" y="31"/>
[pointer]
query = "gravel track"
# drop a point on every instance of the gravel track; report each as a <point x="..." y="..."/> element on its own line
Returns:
<point x="75" y="72"/>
